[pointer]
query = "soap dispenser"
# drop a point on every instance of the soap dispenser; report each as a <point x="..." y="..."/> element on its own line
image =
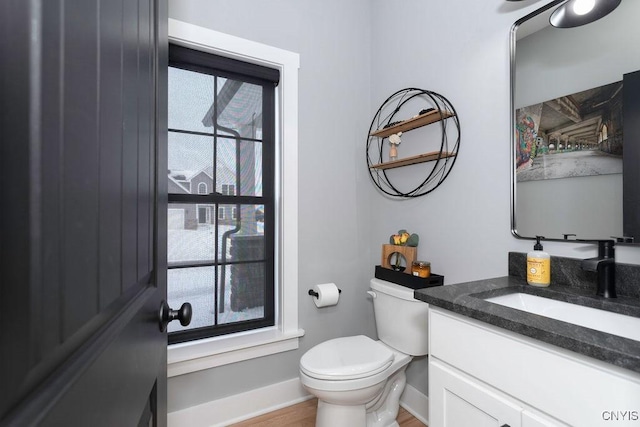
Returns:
<point x="538" y="265"/>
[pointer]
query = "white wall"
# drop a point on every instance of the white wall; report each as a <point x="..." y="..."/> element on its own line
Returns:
<point x="353" y="55"/>
<point x="553" y="207"/>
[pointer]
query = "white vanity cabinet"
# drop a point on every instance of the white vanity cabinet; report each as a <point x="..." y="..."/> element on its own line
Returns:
<point x="481" y="375"/>
<point x="458" y="400"/>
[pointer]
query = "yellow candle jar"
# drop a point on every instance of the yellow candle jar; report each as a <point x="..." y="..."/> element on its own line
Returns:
<point x="421" y="269"/>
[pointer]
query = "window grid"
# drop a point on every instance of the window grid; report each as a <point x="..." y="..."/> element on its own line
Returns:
<point x="220" y="266"/>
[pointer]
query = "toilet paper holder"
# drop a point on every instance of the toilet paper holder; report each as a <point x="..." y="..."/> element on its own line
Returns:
<point x="315" y="294"/>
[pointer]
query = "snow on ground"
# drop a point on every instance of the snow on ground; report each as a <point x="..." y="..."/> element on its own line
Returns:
<point x="196" y="285"/>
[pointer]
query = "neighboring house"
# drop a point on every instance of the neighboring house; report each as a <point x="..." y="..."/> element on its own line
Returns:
<point x="239" y="109"/>
<point x="189" y="216"/>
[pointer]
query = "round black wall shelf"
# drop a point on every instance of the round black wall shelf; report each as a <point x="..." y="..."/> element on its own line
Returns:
<point x="435" y="166"/>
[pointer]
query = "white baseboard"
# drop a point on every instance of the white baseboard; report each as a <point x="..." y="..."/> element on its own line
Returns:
<point x="233" y="409"/>
<point x="416" y="403"/>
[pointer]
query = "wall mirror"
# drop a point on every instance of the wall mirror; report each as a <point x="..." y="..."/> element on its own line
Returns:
<point x="567" y="96"/>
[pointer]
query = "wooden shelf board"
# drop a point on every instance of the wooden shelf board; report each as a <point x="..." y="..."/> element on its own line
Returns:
<point x="420" y="158"/>
<point x="413" y="123"/>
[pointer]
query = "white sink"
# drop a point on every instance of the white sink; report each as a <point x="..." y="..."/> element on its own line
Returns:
<point x="605" y="321"/>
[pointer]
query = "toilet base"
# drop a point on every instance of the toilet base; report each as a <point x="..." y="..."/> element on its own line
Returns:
<point x="344" y="408"/>
<point x="384" y="411"/>
<point x="379" y="410"/>
<point x="330" y="415"/>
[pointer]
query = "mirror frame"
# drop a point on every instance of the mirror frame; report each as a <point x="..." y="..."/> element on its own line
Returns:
<point x="512" y="178"/>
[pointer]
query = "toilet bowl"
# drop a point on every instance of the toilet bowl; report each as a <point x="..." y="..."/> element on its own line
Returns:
<point x="357" y="380"/>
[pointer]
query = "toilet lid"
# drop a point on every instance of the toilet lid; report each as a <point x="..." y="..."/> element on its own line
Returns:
<point x="346" y="358"/>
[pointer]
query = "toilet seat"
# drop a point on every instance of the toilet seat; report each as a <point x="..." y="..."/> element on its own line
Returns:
<point x="346" y="358"/>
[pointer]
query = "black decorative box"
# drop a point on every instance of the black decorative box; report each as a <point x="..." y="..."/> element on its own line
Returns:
<point x="405" y="279"/>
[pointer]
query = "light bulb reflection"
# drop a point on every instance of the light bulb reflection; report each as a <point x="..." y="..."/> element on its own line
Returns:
<point x="582" y="7"/>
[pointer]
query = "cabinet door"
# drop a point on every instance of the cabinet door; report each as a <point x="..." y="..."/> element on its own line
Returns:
<point x="535" y="419"/>
<point x="457" y="400"/>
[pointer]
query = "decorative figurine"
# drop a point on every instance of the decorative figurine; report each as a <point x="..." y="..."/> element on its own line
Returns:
<point x="394" y="141"/>
<point x="404" y="246"/>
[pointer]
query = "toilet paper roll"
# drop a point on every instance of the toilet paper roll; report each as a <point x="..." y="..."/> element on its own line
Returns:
<point x="328" y="294"/>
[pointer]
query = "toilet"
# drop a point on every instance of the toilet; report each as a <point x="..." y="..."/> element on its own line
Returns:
<point x="357" y="380"/>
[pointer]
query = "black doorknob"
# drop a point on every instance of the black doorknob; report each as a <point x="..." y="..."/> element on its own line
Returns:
<point x="166" y="315"/>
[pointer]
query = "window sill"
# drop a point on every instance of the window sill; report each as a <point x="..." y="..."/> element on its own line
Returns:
<point x="208" y="353"/>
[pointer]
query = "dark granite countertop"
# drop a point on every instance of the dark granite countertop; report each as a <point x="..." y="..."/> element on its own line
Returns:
<point x="468" y="299"/>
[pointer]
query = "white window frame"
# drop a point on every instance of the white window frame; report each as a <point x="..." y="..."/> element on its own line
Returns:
<point x="284" y="336"/>
<point x="206" y="190"/>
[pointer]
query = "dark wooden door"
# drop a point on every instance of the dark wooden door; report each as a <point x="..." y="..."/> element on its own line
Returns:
<point x="83" y="212"/>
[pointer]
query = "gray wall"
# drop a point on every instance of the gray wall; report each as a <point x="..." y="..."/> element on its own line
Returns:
<point x="354" y="54"/>
<point x="460" y="50"/>
<point x="332" y="38"/>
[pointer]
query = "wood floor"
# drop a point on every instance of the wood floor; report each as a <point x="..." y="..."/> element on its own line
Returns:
<point x="304" y="415"/>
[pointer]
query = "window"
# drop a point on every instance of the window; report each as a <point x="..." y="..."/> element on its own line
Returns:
<point x="221" y="134"/>
<point x="190" y="356"/>
<point x="204" y="214"/>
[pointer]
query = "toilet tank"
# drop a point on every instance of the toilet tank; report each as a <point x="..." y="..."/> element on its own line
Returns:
<point x="401" y="320"/>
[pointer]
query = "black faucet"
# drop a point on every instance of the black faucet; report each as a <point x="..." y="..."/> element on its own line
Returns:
<point x="605" y="266"/>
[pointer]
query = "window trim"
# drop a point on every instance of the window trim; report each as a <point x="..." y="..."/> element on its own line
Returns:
<point x="211" y="352"/>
